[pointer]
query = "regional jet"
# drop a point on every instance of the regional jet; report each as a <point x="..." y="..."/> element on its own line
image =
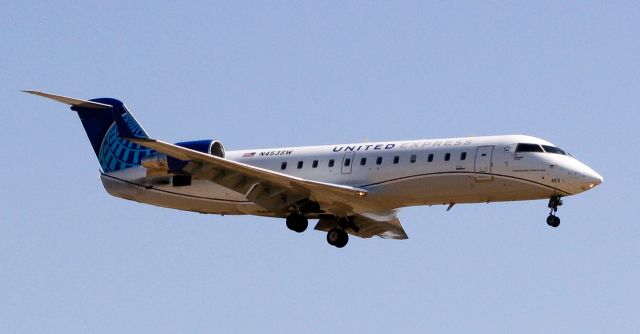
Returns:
<point x="350" y="189"/>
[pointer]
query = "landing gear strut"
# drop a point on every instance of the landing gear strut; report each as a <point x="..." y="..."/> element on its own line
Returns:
<point x="554" y="203"/>
<point x="297" y="222"/>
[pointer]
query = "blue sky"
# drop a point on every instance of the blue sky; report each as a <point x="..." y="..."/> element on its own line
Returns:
<point x="73" y="259"/>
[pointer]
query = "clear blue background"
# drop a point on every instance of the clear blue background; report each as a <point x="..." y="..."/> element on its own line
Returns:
<point x="270" y="74"/>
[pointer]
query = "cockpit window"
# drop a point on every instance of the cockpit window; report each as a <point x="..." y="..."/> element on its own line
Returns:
<point x="553" y="149"/>
<point x="528" y="148"/>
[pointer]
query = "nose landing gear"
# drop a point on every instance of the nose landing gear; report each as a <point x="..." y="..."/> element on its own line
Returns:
<point x="554" y="203"/>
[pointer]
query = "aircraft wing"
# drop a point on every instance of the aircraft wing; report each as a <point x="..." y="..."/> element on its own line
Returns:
<point x="276" y="191"/>
<point x="247" y="176"/>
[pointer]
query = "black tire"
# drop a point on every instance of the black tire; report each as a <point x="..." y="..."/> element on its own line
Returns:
<point x="297" y="222"/>
<point x="291" y="222"/>
<point x="301" y="224"/>
<point x="553" y="221"/>
<point x="333" y="236"/>
<point x="344" y="239"/>
<point x="337" y="237"/>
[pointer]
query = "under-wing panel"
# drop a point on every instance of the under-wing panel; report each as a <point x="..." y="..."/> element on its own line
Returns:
<point x="366" y="227"/>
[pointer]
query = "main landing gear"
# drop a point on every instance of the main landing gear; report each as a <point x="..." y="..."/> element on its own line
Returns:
<point x="554" y="203"/>
<point x="337" y="237"/>
<point x="297" y="222"/>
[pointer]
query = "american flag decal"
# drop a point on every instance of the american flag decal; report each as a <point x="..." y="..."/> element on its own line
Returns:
<point x="248" y="155"/>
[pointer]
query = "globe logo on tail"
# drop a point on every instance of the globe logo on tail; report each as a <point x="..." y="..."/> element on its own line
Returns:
<point x="117" y="153"/>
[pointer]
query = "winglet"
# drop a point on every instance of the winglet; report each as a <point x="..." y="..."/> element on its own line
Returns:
<point x="70" y="100"/>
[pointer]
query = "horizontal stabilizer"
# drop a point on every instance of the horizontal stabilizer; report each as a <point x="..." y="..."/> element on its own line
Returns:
<point x="70" y="100"/>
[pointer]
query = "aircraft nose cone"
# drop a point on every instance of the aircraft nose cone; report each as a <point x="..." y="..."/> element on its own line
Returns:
<point x="592" y="178"/>
<point x="596" y="178"/>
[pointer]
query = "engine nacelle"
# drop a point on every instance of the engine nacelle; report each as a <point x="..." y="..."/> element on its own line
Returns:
<point x="212" y="147"/>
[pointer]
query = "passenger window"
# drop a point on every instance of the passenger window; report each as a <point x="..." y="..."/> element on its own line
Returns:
<point x="447" y="157"/>
<point x="413" y="158"/>
<point x="463" y="156"/>
<point x="347" y="162"/>
<point x="283" y="166"/>
<point x="314" y="164"/>
<point x="363" y="161"/>
<point x="396" y="159"/>
<point x="331" y="162"/>
<point x="300" y="164"/>
<point x="528" y="148"/>
<point x="379" y="161"/>
<point x="430" y="158"/>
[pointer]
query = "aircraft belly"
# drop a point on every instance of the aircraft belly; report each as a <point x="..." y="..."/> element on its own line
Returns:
<point x="456" y="188"/>
<point x="181" y="198"/>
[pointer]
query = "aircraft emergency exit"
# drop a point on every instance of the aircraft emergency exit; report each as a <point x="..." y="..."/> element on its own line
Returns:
<point x="352" y="189"/>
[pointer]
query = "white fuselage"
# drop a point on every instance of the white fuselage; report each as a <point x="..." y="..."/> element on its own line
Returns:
<point x="396" y="174"/>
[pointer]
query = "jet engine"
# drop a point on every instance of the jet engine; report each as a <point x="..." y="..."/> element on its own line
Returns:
<point x="212" y="147"/>
<point x="159" y="164"/>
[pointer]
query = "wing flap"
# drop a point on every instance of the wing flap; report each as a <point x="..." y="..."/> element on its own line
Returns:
<point x="389" y="228"/>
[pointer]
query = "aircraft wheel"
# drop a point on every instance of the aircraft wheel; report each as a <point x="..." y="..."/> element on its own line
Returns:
<point x="553" y="221"/>
<point x="337" y="237"/>
<point x="297" y="222"/>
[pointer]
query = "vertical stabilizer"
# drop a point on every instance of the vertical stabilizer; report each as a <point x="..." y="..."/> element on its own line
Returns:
<point x="97" y="117"/>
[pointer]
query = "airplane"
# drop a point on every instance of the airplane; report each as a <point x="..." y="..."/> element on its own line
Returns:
<point x="351" y="189"/>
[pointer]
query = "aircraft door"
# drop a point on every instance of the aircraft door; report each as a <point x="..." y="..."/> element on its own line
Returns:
<point x="347" y="162"/>
<point x="483" y="163"/>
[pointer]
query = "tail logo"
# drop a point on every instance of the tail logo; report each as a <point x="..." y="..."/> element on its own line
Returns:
<point x="117" y="153"/>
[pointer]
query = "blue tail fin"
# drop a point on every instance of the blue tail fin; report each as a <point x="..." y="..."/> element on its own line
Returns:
<point x="99" y="117"/>
<point x="113" y="152"/>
